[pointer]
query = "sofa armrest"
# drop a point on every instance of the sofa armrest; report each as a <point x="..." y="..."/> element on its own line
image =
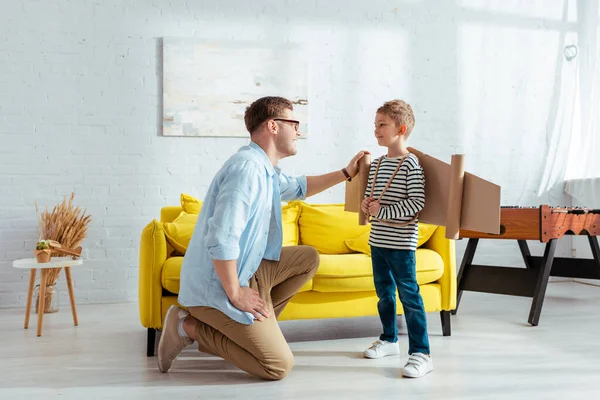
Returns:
<point x="153" y="254"/>
<point x="445" y="248"/>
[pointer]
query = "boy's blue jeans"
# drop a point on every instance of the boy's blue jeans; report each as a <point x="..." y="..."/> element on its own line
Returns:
<point x="397" y="269"/>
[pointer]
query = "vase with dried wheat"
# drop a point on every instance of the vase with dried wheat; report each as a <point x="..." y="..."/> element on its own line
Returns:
<point x="66" y="224"/>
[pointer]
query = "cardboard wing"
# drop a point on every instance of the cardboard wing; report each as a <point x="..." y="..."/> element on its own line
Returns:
<point x="453" y="198"/>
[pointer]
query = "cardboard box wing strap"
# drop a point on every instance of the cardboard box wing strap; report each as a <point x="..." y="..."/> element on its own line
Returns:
<point x="453" y="198"/>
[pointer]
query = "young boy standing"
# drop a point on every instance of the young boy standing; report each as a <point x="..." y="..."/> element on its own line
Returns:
<point x="395" y="195"/>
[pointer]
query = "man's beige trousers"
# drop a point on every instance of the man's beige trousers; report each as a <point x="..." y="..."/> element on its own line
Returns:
<point x="259" y="349"/>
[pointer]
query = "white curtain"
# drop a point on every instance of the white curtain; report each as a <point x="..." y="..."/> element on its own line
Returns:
<point x="574" y="140"/>
<point x="583" y="174"/>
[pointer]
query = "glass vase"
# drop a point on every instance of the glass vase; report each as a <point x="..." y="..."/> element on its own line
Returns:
<point x="51" y="298"/>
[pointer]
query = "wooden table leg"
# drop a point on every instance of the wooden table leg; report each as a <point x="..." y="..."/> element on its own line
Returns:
<point x="71" y="294"/>
<point x="32" y="274"/>
<point x="42" y="300"/>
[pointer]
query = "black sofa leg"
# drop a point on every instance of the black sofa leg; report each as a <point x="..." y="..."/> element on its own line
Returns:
<point x="446" y="327"/>
<point x="151" y="342"/>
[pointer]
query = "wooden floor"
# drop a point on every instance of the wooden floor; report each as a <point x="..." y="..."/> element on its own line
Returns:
<point x="492" y="354"/>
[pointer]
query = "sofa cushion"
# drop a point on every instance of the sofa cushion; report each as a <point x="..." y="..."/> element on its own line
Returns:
<point x="344" y="265"/>
<point x="289" y="221"/>
<point x="171" y="271"/>
<point x="326" y="226"/>
<point x="361" y="243"/>
<point x="426" y="231"/>
<point x="190" y="204"/>
<point x="179" y="232"/>
<point x="354" y="273"/>
<point x="170" y="274"/>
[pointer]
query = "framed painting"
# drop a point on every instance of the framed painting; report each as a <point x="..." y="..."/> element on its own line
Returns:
<point x="208" y="85"/>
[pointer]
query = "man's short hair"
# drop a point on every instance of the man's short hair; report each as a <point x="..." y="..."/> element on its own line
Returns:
<point x="401" y="112"/>
<point x="263" y="109"/>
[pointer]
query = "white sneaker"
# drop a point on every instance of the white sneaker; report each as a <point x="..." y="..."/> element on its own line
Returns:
<point x="381" y="348"/>
<point x="418" y="364"/>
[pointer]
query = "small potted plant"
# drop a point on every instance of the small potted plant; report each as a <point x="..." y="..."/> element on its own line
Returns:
<point x="42" y="251"/>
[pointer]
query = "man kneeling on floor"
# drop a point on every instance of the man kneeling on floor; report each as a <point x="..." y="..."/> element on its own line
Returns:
<point x="236" y="278"/>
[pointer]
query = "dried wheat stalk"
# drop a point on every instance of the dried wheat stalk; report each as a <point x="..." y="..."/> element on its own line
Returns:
<point x="67" y="225"/>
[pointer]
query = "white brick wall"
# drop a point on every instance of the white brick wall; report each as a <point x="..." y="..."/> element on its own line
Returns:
<point x="80" y="107"/>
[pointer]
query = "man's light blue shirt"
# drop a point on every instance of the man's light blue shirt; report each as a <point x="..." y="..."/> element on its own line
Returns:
<point x="240" y="220"/>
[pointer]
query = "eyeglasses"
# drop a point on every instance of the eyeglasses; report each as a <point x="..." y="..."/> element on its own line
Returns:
<point x="295" y="123"/>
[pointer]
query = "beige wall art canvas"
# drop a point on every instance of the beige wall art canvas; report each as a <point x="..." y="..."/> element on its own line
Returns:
<point x="208" y="85"/>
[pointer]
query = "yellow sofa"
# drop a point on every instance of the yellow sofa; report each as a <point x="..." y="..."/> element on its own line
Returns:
<point x="342" y="287"/>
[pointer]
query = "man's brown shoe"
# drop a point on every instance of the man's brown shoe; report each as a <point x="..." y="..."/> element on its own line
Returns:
<point x="171" y="344"/>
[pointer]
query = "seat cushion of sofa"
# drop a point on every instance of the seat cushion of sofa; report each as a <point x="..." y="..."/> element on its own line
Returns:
<point x="172" y="270"/>
<point x="354" y="273"/>
<point x="313" y="304"/>
<point x="170" y="274"/>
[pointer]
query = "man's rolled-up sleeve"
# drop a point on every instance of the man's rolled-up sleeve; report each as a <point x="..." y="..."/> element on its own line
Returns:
<point x="292" y="188"/>
<point x="237" y="192"/>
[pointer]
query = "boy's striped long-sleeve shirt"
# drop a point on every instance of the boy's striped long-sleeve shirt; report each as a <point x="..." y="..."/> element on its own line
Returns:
<point x="402" y="200"/>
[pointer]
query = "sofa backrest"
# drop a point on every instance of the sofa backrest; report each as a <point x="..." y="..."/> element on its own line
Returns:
<point x="326" y="227"/>
<point x="332" y="230"/>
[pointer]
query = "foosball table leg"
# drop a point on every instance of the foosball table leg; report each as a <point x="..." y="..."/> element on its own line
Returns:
<point x="525" y="252"/>
<point x="595" y="250"/>
<point x="542" y="282"/>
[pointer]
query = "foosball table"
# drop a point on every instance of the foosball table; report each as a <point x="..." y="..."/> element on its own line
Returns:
<point x="545" y="224"/>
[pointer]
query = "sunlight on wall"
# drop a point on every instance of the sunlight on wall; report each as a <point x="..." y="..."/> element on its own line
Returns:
<point x="551" y="10"/>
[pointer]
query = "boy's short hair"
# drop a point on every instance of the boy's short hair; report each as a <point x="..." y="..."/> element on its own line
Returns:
<point x="263" y="109"/>
<point x="401" y="112"/>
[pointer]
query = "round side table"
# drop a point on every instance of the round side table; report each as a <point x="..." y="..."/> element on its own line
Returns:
<point x="33" y="265"/>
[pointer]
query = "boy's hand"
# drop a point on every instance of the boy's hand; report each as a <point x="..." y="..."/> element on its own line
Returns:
<point x="374" y="207"/>
<point x="364" y="205"/>
<point x="352" y="167"/>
